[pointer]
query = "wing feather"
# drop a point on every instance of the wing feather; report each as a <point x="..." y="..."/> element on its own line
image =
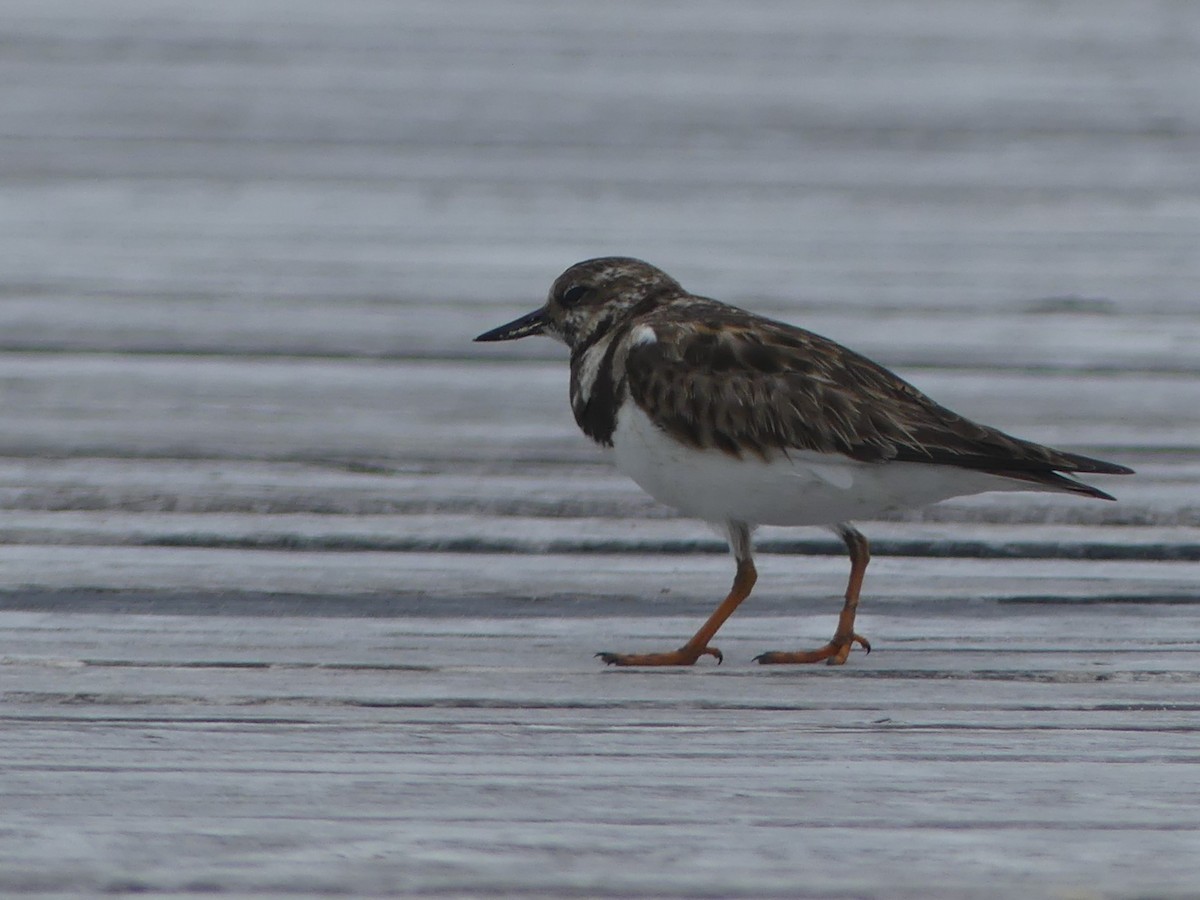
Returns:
<point x="726" y="379"/>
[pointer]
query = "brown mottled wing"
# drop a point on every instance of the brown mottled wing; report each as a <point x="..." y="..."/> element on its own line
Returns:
<point x="723" y="378"/>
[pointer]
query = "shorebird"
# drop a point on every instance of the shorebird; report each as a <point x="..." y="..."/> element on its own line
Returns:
<point x="742" y="421"/>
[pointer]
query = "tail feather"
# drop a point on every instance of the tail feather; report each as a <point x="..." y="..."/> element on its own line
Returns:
<point x="1057" y="481"/>
<point x="1074" y="462"/>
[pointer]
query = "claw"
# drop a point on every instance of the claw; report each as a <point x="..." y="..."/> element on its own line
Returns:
<point x="681" y="657"/>
<point x="834" y="653"/>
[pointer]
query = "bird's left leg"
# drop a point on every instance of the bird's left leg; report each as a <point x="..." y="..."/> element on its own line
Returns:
<point x="838" y="649"/>
<point x="697" y="645"/>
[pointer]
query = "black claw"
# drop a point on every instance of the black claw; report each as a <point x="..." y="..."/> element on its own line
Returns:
<point x="609" y="658"/>
<point x="720" y="657"/>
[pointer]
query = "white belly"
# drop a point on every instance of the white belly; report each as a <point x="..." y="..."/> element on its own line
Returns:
<point x="803" y="488"/>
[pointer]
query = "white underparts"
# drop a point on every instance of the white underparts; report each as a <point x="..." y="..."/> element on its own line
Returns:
<point x="801" y="488"/>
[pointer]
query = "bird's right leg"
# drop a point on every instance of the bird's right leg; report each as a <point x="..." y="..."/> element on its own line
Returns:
<point x="838" y="649"/>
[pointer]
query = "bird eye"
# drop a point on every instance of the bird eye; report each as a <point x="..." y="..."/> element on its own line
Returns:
<point x="573" y="294"/>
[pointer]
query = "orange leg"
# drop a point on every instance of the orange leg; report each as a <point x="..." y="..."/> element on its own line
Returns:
<point x="838" y="648"/>
<point x="686" y="655"/>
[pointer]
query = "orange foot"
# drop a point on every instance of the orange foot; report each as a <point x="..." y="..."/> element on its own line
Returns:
<point x="684" y="656"/>
<point x="834" y="653"/>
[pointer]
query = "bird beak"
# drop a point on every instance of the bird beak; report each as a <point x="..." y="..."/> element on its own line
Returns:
<point x="530" y="323"/>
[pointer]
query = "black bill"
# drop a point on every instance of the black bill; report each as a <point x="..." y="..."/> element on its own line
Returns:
<point x="530" y="323"/>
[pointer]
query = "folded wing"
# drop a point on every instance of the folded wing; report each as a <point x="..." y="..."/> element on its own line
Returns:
<point x="741" y="384"/>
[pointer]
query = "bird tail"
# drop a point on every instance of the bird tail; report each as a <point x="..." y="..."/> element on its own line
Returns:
<point x="1052" y="477"/>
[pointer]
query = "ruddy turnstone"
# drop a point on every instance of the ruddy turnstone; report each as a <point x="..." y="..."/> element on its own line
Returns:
<point x="744" y="421"/>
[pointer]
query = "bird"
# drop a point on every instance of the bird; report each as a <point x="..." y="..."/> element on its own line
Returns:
<point x="740" y="420"/>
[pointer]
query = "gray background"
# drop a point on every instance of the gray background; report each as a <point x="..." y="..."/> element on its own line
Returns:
<point x="300" y="587"/>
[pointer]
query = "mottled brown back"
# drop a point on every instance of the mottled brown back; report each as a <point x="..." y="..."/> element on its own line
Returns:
<point x="720" y="377"/>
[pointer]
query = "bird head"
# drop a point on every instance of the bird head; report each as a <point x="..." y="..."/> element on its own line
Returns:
<point x="589" y="298"/>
